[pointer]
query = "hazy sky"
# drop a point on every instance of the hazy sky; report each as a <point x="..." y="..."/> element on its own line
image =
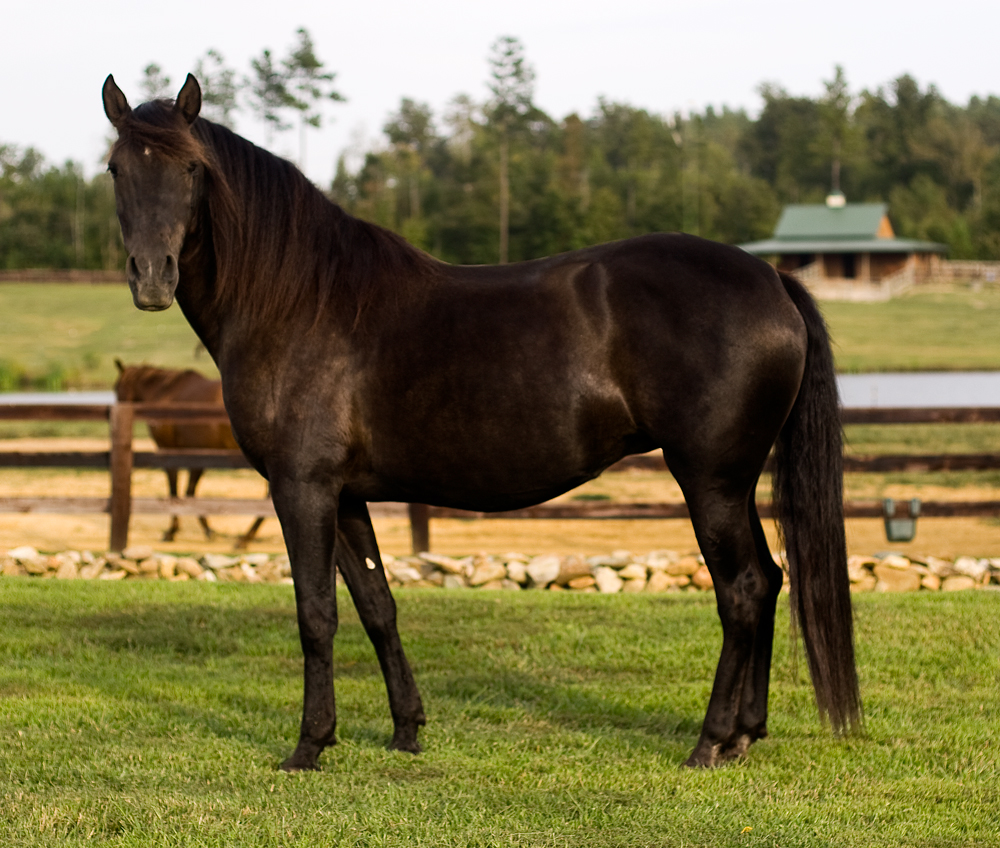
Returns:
<point x="663" y="56"/>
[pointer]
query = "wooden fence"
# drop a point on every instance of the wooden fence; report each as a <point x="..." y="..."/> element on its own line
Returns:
<point x="121" y="459"/>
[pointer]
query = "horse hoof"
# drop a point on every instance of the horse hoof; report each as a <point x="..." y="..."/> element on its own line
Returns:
<point x="704" y="756"/>
<point x="292" y="766"/>
<point x="405" y="742"/>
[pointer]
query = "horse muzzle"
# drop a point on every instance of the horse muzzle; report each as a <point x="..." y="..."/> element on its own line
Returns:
<point x="152" y="282"/>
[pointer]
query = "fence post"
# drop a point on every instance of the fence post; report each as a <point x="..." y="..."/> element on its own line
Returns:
<point x="420" y="527"/>
<point x="122" y="417"/>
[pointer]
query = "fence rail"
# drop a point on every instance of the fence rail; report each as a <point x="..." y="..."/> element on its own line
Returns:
<point x="120" y="460"/>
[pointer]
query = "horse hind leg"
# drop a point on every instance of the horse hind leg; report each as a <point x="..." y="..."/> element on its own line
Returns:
<point x="175" y="522"/>
<point x="752" y="721"/>
<point x="742" y="588"/>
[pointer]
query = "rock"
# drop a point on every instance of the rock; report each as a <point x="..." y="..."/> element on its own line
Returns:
<point x="256" y="560"/>
<point x="36" y="566"/>
<point x="517" y="571"/>
<point x="249" y="572"/>
<point x="492" y="584"/>
<point x="895" y="561"/>
<point x="659" y="581"/>
<point x="940" y="567"/>
<point x="544" y="570"/>
<point x="120" y="574"/>
<point x="858" y="567"/>
<point x="137" y="552"/>
<point x="23" y="554"/>
<point x="129" y="565"/>
<point x="618" y="559"/>
<point x="189" y="566"/>
<point x="957" y="582"/>
<point x="67" y="570"/>
<point x="702" y="578"/>
<point x="514" y="556"/>
<point x="147" y="566"/>
<point x="891" y="578"/>
<point x="435" y="578"/>
<point x="931" y="582"/>
<point x="633" y="571"/>
<point x="659" y="560"/>
<point x="217" y="562"/>
<point x="168" y="567"/>
<point x="453" y="581"/>
<point x="207" y="576"/>
<point x="450" y="565"/>
<point x="633" y="586"/>
<point x="9" y="567"/>
<point x="607" y="580"/>
<point x="974" y="568"/>
<point x="404" y="572"/>
<point x="584" y="582"/>
<point x="686" y="566"/>
<point x="570" y="568"/>
<point x="510" y="586"/>
<point x="864" y="584"/>
<point x="268" y="571"/>
<point x="92" y="570"/>
<point x="488" y="572"/>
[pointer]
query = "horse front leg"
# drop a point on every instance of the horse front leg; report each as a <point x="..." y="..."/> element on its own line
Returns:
<point x="308" y="516"/>
<point x="361" y="566"/>
<point x="194" y="475"/>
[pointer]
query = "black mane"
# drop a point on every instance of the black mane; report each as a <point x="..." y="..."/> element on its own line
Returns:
<point x="280" y="244"/>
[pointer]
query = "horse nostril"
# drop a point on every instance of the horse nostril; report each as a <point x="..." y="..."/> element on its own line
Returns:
<point x="133" y="268"/>
<point x="168" y="266"/>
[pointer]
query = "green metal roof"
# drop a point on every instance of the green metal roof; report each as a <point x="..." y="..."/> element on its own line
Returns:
<point x="817" y="221"/>
<point x="893" y="245"/>
<point x="851" y="228"/>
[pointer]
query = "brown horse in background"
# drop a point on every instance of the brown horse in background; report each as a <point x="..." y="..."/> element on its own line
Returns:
<point x="147" y="383"/>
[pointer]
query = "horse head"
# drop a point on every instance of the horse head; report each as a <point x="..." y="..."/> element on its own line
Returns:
<point x="158" y="167"/>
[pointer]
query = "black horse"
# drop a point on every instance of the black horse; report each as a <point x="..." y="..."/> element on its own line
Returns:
<point x="356" y="368"/>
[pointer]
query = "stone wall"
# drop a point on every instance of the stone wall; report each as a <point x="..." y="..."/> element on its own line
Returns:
<point x="620" y="571"/>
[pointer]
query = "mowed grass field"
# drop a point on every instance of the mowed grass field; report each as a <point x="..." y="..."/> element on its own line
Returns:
<point x="145" y="714"/>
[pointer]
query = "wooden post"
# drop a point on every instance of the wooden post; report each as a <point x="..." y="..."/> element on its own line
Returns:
<point x="122" y="417"/>
<point x="420" y="527"/>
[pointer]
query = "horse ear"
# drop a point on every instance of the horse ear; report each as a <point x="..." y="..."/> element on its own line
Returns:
<point x="189" y="99"/>
<point x="120" y="365"/>
<point x="115" y="105"/>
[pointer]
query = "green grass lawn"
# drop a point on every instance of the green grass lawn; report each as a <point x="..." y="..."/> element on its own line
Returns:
<point x="956" y="330"/>
<point x="148" y="714"/>
<point x="73" y="333"/>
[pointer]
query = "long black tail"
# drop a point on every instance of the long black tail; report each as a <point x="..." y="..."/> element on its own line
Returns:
<point x="808" y="495"/>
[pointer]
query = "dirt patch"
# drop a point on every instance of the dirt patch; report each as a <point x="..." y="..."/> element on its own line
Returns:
<point x="944" y="537"/>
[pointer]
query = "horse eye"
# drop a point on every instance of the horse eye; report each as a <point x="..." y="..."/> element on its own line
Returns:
<point x="192" y="167"/>
<point x="113" y="170"/>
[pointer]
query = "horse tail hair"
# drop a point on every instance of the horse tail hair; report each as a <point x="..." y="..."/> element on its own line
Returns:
<point x="808" y="495"/>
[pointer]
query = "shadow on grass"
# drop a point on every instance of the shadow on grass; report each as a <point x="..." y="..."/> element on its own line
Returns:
<point x="240" y="663"/>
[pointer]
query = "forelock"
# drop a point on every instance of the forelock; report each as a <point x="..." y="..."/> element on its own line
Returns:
<point x="158" y="127"/>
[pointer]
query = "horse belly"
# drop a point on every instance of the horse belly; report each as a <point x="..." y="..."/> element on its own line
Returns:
<point x="523" y="448"/>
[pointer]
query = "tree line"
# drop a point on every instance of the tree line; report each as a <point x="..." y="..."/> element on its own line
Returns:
<point x="497" y="179"/>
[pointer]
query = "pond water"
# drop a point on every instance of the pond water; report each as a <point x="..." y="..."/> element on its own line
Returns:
<point x="925" y="388"/>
